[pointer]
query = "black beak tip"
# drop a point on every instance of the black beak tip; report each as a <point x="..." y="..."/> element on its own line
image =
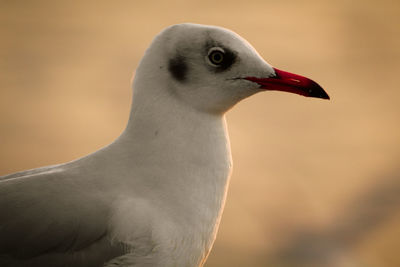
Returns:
<point x="317" y="91"/>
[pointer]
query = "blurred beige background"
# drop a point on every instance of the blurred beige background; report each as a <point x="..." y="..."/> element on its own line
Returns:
<point x="315" y="183"/>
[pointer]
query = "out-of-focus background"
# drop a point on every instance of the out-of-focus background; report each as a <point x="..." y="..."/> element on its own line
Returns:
<point x="315" y="183"/>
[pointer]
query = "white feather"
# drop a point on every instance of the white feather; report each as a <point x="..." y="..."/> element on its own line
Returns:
<point x="154" y="197"/>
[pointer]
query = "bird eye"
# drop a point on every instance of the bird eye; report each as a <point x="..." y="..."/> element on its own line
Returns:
<point x="216" y="56"/>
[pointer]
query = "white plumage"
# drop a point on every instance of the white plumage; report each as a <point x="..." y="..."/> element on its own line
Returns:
<point x="153" y="197"/>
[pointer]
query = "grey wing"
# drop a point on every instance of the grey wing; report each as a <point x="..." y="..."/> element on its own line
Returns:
<point x="45" y="216"/>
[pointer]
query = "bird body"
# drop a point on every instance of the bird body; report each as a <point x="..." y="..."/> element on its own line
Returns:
<point x="153" y="197"/>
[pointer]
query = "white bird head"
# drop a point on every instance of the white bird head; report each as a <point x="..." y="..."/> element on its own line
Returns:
<point x="212" y="68"/>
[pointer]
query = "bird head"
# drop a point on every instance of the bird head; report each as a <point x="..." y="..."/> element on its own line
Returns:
<point x="211" y="68"/>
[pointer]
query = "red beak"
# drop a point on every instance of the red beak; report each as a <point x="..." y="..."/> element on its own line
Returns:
<point x="292" y="83"/>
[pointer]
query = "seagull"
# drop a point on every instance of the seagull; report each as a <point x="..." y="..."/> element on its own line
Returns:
<point x="154" y="196"/>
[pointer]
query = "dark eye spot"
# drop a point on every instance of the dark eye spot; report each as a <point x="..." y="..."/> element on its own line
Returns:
<point x="221" y="58"/>
<point x="178" y="68"/>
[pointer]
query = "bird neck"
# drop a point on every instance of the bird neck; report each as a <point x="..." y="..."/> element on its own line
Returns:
<point x="164" y="133"/>
<point x="164" y="125"/>
<point x="181" y="151"/>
